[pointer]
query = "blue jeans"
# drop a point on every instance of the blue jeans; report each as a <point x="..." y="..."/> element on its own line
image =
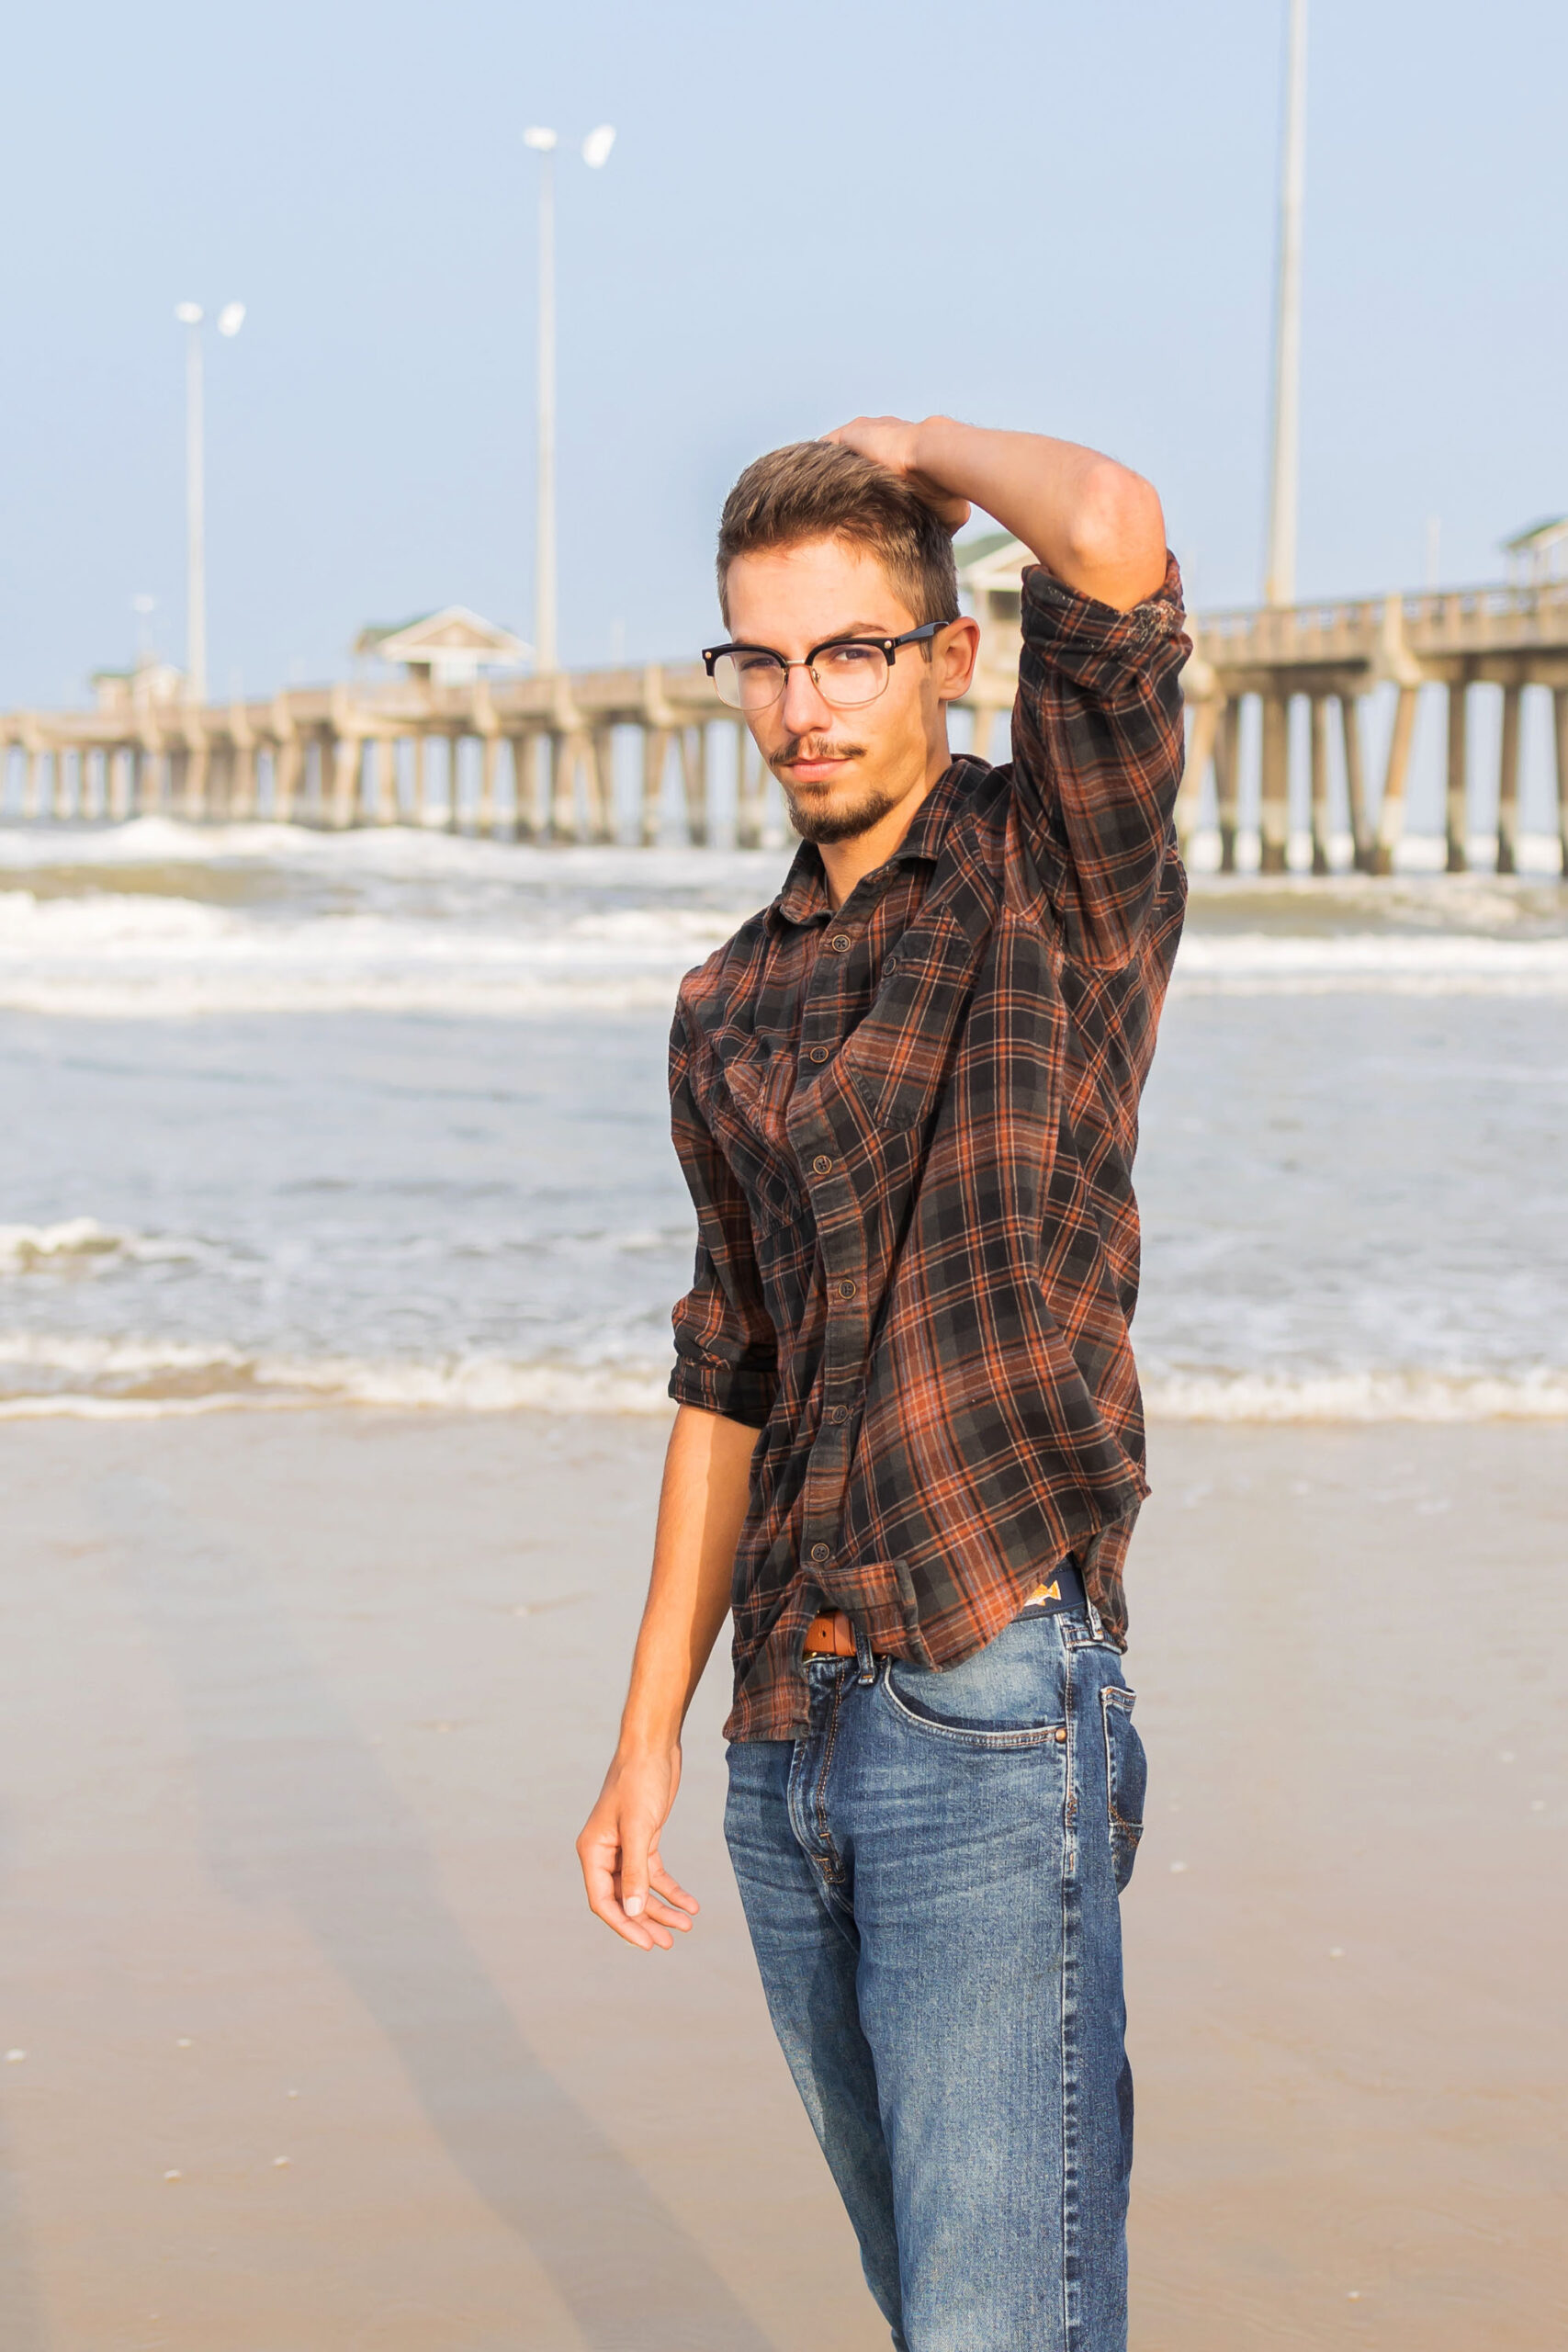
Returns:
<point x="930" y="1878"/>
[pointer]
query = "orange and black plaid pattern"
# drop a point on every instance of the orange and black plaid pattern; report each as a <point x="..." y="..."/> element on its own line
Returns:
<point x="907" y="1125"/>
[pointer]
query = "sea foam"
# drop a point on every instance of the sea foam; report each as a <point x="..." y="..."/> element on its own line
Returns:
<point x="81" y="1245"/>
<point x="112" y="955"/>
<point x="101" y="1377"/>
<point x="1539" y="1393"/>
<point x="1376" y="963"/>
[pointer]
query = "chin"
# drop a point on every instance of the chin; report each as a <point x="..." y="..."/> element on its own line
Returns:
<point x="825" y="819"/>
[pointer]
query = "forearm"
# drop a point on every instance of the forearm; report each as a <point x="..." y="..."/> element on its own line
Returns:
<point x="707" y="1475"/>
<point x="702" y="1506"/>
<point x="1095" y="525"/>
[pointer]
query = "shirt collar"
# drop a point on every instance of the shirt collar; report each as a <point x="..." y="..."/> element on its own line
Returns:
<point x="805" y="898"/>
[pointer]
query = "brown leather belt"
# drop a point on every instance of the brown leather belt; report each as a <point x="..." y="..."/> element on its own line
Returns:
<point x="831" y="1634"/>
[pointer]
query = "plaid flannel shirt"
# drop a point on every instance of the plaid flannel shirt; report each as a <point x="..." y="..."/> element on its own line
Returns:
<point x="907" y="1125"/>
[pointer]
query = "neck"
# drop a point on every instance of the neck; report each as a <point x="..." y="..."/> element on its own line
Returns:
<point x="846" y="862"/>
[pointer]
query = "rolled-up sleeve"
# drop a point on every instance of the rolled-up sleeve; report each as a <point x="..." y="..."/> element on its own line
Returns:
<point x="726" y="1348"/>
<point x="1097" y="746"/>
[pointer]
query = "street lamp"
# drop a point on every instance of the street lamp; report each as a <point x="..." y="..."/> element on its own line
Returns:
<point x="595" y="153"/>
<point x="230" y="318"/>
<point x="1279" y="583"/>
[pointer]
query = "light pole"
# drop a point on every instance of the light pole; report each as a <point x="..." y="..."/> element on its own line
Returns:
<point x="595" y="153"/>
<point x="1280" y="580"/>
<point x="230" y="318"/>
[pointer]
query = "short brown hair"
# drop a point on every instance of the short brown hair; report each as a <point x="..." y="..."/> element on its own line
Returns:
<point x="820" y="489"/>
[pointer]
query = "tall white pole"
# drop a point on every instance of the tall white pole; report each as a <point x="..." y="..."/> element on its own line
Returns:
<point x="196" y="513"/>
<point x="595" y="151"/>
<point x="1279" y="583"/>
<point x="545" y="528"/>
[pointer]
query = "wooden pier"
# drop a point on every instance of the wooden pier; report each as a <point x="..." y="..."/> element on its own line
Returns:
<point x="541" y="766"/>
<point x="1333" y="656"/>
<point x="345" y="755"/>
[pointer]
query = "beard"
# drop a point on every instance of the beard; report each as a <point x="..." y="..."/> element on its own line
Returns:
<point x="831" y="812"/>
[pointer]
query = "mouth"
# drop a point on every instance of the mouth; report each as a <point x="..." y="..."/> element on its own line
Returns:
<point x="815" y="763"/>
<point x="814" y="770"/>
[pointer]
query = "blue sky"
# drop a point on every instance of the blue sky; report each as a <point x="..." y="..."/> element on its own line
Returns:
<point x="1039" y="215"/>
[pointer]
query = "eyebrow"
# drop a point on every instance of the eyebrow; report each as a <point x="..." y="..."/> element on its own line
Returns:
<point x="850" y="628"/>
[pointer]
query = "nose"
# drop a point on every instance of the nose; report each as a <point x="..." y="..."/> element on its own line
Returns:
<point x="803" y="710"/>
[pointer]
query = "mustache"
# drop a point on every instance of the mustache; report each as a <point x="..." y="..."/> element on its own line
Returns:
<point x="814" y="747"/>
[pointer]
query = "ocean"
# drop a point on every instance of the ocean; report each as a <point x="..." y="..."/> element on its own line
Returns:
<point x="378" y="1118"/>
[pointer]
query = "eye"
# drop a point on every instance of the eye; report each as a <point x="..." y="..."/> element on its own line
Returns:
<point x="851" y="657"/>
<point x="753" y="664"/>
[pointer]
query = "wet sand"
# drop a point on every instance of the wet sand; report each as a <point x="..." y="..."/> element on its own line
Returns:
<point x="301" y="1711"/>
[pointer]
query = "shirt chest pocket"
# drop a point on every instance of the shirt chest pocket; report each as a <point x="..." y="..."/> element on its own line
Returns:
<point x="746" y="1110"/>
<point x="899" y="1057"/>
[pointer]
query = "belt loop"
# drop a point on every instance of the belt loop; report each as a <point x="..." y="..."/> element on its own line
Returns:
<point x="865" y="1655"/>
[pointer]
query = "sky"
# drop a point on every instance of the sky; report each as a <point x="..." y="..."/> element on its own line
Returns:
<point x="1022" y="212"/>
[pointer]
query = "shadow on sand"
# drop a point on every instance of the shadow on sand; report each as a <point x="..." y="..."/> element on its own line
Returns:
<point x="21" y="2320"/>
<point x="296" y="1806"/>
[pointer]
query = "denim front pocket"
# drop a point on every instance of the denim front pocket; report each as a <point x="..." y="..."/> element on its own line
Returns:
<point x="1126" y="1777"/>
<point x="1010" y="1694"/>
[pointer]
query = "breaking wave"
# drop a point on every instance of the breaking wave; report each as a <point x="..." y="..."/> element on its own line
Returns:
<point x="96" y="1378"/>
<point x="1380" y="963"/>
<point x="88" y="1377"/>
<point x="116" y="956"/>
<point x="1538" y="1394"/>
<point x="159" y="919"/>
<point x="81" y="1245"/>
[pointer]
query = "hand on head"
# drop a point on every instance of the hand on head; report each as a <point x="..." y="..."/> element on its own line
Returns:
<point x="890" y="441"/>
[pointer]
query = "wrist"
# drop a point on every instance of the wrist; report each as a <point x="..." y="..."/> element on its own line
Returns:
<point x="931" y="451"/>
<point x="648" y="1741"/>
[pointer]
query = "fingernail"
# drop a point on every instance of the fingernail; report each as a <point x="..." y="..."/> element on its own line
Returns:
<point x="634" y="1905"/>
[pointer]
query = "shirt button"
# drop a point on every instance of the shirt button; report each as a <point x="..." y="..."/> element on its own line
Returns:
<point x="839" y="942"/>
<point x="821" y="1552"/>
<point x="821" y="1053"/>
<point x="822" y="1165"/>
<point x="846" y="1290"/>
<point x="838" y="1412"/>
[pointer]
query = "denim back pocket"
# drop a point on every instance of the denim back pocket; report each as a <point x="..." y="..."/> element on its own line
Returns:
<point x="1126" y="1777"/>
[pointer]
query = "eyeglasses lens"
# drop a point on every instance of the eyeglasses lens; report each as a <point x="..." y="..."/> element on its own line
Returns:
<point x="848" y="674"/>
<point x="844" y="676"/>
<point x="748" y="681"/>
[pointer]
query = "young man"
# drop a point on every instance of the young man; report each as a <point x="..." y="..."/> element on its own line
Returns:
<point x="910" y="1447"/>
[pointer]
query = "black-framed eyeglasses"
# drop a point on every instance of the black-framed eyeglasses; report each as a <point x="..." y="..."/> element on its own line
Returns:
<point x="845" y="671"/>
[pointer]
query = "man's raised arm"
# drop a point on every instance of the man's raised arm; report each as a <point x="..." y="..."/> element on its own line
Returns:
<point x="1095" y="525"/>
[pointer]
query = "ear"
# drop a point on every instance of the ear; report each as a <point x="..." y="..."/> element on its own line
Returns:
<point x="954" y="656"/>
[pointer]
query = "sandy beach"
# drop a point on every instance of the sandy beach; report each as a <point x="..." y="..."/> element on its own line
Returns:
<point x="311" y="2045"/>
